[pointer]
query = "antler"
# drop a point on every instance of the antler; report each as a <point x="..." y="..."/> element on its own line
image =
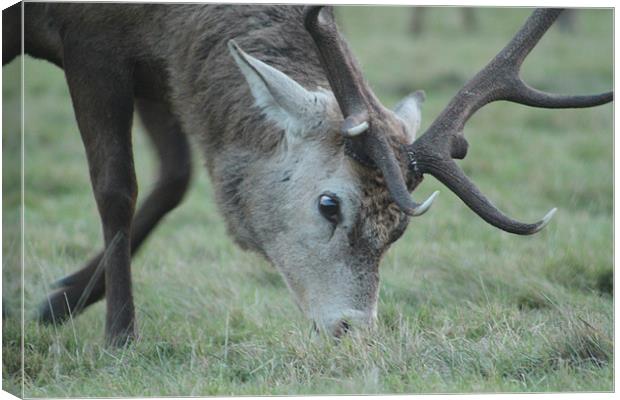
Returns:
<point x="434" y="151"/>
<point x="366" y="121"/>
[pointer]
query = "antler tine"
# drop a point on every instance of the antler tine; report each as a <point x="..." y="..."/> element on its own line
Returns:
<point x="343" y="73"/>
<point x="365" y="121"/>
<point x="455" y="179"/>
<point x="433" y="152"/>
<point x="513" y="55"/>
<point x="529" y="96"/>
<point x="500" y="80"/>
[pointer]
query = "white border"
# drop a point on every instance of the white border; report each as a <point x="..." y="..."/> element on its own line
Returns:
<point x="478" y="3"/>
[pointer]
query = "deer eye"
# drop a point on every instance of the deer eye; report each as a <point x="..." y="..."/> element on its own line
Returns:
<point x="329" y="207"/>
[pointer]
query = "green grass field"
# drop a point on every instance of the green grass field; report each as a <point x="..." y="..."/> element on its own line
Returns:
<point x="463" y="307"/>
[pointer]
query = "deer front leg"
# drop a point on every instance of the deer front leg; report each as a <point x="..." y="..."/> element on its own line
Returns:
<point x="101" y="88"/>
<point x="87" y="286"/>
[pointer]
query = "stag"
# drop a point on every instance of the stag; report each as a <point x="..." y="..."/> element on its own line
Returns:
<point x="309" y="168"/>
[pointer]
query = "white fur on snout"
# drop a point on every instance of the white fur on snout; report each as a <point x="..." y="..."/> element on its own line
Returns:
<point x="331" y="319"/>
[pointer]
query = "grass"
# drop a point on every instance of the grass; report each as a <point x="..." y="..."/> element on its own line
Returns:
<point x="463" y="306"/>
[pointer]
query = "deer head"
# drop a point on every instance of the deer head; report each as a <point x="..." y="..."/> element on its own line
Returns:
<point x="351" y="164"/>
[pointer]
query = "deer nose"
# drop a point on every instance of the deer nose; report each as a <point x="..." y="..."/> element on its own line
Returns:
<point x="346" y="324"/>
<point x="341" y="328"/>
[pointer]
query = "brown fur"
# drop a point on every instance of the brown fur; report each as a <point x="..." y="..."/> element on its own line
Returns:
<point x="176" y="60"/>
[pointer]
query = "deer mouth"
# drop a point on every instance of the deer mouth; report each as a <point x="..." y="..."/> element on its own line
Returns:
<point x="349" y="322"/>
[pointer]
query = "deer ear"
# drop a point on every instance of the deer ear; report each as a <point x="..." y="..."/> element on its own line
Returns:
<point x="282" y="99"/>
<point x="408" y="110"/>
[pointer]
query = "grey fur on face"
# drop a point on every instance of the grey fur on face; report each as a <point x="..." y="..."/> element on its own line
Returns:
<point x="332" y="271"/>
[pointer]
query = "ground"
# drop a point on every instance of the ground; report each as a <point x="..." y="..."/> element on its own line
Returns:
<point x="463" y="307"/>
